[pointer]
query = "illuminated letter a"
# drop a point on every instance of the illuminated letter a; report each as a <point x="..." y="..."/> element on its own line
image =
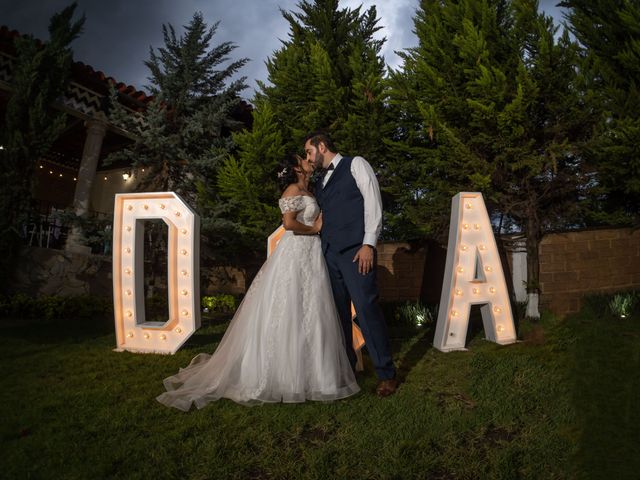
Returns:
<point x="473" y="276"/>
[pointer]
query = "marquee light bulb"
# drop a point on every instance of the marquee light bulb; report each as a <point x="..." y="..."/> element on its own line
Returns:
<point x="184" y="292"/>
<point x="500" y="328"/>
<point x="184" y="231"/>
<point x="128" y="228"/>
<point x="178" y="330"/>
<point x="492" y="289"/>
<point x="476" y="291"/>
<point x="464" y="248"/>
<point x="465" y="226"/>
<point x="487" y="268"/>
<point x="127" y="293"/>
<point x="130" y="335"/>
<point x="476" y="226"/>
<point x="129" y="207"/>
<point x="482" y="247"/>
<point x="146" y="207"/>
<point x="497" y="309"/>
<point x="468" y="205"/>
<point x="129" y="313"/>
<point x="454" y="313"/>
<point x="458" y="292"/>
<point x="127" y="271"/>
<point x="183" y="273"/>
<point x="127" y="250"/>
<point x="162" y="206"/>
<point x="163" y="337"/>
<point x="146" y="335"/>
<point x="185" y="312"/>
<point x="177" y="213"/>
<point x="460" y="269"/>
<point x="183" y="251"/>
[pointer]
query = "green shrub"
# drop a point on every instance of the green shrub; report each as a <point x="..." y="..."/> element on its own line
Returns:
<point x="623" y="304"/>
<point x="49" y="307"/>
<point x="222" y="303"/>
<point x="416" y="314"/>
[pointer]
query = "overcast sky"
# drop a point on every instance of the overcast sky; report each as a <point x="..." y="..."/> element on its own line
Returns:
<point x="118" y="33"/>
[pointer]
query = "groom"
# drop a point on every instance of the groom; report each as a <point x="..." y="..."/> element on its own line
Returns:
<point x="349" y="197"/>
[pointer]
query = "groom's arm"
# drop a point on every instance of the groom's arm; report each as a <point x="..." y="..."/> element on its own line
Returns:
<point x="367" y="183"/>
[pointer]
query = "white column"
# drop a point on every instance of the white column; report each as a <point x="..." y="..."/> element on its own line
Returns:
<point x="519" y="273"/>
<point x="96" y="131"/>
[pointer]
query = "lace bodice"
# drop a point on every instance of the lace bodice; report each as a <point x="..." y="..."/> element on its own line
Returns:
<point x="306" y="206"/>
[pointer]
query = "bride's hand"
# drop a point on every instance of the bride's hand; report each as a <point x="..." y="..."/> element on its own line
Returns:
<point x="317" y="224"/>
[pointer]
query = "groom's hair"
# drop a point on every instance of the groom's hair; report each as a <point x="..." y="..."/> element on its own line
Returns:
<point x="318" y="137"/>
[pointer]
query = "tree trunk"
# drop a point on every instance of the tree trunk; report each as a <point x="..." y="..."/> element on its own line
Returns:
<point x="533" y="264"/>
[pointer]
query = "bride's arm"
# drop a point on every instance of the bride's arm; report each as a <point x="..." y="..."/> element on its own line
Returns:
<point x="290" y="223"/>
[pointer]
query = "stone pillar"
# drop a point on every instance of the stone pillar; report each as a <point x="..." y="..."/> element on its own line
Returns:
<point x="96" y="131"/>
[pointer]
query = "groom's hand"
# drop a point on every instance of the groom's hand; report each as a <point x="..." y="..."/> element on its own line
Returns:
<point x="364" y="257"/>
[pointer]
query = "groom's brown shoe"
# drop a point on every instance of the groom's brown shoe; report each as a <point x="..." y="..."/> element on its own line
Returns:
<point x="387" y="387"/>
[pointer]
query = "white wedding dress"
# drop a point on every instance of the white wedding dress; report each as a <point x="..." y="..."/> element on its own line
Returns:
<point x="284" y="343"/>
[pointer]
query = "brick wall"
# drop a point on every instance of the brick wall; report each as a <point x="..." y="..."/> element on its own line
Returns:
<point x="577" y="263"/>
<point x="400" y="271"/>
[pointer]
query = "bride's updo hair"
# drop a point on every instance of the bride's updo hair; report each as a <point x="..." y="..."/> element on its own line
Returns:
<point x="286" y="171"/>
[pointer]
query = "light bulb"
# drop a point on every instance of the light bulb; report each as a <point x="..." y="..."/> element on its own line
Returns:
<point x="497" y="309"/>
<point x="492" y="289"/>
<point x="185" y="313"/>
<point x="183" y="273"/>
<point x="127" y="271"/>
<point x="127" y="292"/>
<point x="500" y="328"/>
<point x="162" y="206"/>
<point x="41" y="166"/>
<point x="127" y="250"/>
<point x="105" y="177"/>
<point x="177" y="214"/>
<point x="146" y="335"/>
<point x="465" y="226"/>
<point x="482" y="247"/>
<point x="458" y="292"/>
<point x="476" y="226"/>
<point x="60" y="175"/>
<point x="460" y="269"/>
<point x="75" y="179"/>
<point x="129" y="313"/>
<point x="476" y="291"/>
<point x="50" y="172"/>
<point x="146" y="207"/>
<point x="464" y="248"/>
<point x="130" y="335"/>
<point x="178" y="330"/>
<point x="184" y="231"/>
<point x="468" y="205"/>
<point x="125" y="176"/>
<point x="128" y="228"/>
<point x="184" y="292"/>
<point x="183" y="251"/>
<point x="163" y="337"/>
<point x="129" y="207"/>
<point x="487" y="268"/>
<point x="454" y="313"/>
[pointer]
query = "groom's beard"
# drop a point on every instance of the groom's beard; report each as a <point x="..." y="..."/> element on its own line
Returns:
<point x="319" y="160"/>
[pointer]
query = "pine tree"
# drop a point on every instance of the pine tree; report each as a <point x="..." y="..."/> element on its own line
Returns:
<point x="185" y="137"/>
<point x="328" y="74"/>
<point x="488" y="102"/>
<point x="41" y="75"/>
<point x="609" y="31"/>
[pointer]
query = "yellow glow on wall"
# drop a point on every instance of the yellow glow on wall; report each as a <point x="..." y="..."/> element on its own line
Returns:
<point x="358" y="338"/>
<point x="473" y="276"/>
<point x="133" y="333"/>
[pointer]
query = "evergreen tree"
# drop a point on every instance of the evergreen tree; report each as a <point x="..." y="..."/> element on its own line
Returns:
<point x="327" y="75"/>
<point x="488" y="102"/>
<point x="40" y="77"/>
<point x="609" y="31"/>
<point x="185" y="136"/>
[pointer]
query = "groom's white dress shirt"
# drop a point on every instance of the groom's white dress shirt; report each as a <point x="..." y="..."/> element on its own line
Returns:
<point x="367" y="183"/>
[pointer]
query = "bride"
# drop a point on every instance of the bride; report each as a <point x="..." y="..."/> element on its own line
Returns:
<point x="284" y="343"/>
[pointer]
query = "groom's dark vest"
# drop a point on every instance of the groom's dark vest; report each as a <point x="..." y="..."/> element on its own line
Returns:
<point x="342" y="208"/>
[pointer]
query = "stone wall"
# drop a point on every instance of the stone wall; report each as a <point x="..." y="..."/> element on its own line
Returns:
<point x="575" y="264"/>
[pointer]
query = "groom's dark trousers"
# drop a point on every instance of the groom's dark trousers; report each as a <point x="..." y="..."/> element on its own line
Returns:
<point x="342" y="233"/>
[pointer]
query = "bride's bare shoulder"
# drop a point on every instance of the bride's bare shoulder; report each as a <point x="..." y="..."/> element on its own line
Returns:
<point x="291" y="191"/>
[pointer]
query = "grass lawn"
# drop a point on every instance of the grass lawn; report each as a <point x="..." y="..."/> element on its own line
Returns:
<point x="564" y="403"/>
